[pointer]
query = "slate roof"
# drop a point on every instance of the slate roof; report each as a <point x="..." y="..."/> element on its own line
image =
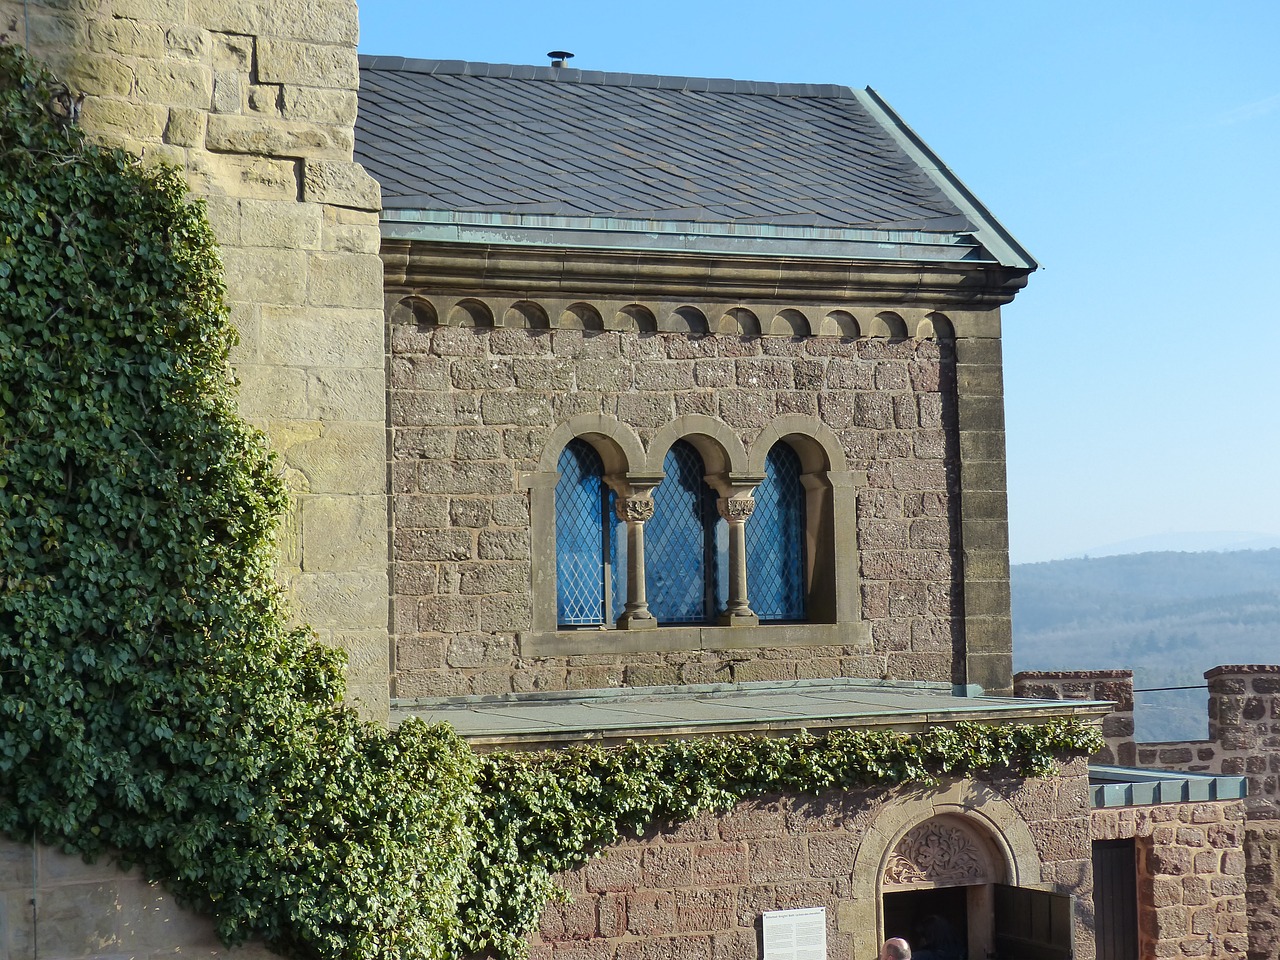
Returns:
<point x="504" y="140"/>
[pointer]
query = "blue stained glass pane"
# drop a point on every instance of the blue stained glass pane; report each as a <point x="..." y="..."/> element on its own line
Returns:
<point x="775" y="540"/>
<point x="582" y="536"/>
<point x="679" y="555"/>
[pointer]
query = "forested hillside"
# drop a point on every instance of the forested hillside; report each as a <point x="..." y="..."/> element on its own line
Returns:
<point x="1167" y="616"/>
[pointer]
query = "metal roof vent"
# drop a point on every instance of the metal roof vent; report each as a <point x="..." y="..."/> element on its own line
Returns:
<point x="558" y="57"/>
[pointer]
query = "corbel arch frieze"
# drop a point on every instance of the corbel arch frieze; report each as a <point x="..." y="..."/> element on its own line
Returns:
<point x="722" y="452"/>
<point x="412" y="311"/>
<point x="581" y="316"/>
<point x="839" y="323"/>
<point x="739" y="322"/>
<point x="790" y="323"/>
<point x="935" y="326"/>
<point x="428" y="308"/>
<point x="526" y="314"/>
<point x="634" y="318"/>
<point x="685" y="319"/>
<point x="888" y="324"/>
<point x="618" y="445"/>
<point x="470" y="312"/>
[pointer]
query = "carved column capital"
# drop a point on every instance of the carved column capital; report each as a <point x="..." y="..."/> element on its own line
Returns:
<point x="736" y="508"/>
<point x="634" y="509"/>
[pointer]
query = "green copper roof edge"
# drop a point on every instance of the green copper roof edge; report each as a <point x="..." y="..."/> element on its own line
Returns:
<point x="991" y="233"/>
<point x="601" y="233"/>
<point x="1111" y="786"/>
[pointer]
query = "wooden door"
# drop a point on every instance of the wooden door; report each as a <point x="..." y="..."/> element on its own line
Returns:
<point x="1032" y="924"/>
<point x="1115" y="899"/>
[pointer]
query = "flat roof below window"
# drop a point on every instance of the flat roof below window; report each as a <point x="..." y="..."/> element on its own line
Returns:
<point x="540" y="720"/>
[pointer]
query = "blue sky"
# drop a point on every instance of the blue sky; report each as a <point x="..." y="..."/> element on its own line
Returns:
<point x="1130" y="145"/>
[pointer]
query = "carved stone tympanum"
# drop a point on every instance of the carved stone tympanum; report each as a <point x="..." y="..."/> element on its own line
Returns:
<point x="938" y="851"/>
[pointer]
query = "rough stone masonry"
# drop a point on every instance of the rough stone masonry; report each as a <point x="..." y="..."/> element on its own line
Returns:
<point x="257" y="102"/>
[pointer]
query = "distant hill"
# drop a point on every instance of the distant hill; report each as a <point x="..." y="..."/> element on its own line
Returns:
<point x="1167" y="616"/>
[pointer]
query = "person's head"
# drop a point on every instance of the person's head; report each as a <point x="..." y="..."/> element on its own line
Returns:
<point x="895" y="949"/>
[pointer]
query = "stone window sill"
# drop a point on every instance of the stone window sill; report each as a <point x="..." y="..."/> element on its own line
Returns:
<point x="586" y="641"/>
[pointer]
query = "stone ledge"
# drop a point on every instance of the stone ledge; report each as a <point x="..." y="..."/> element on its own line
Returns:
<point x="422" y="265"/>
<point x="661" y="639"/>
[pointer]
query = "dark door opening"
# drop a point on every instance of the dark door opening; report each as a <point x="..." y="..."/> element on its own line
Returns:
<point x="1033" y="924"/>
<point x="1115" y="899"/>
<point x="935" y="922"/>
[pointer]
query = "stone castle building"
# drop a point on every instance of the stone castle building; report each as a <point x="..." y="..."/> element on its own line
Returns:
<point x="623" y="407"/>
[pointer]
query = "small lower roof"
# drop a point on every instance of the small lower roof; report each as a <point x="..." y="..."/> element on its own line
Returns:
<point x="1136" y="787"/>
<point x="539" y="720"/>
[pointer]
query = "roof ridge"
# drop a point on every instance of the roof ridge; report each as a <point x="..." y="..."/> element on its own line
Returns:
<point x="644" y="81"/>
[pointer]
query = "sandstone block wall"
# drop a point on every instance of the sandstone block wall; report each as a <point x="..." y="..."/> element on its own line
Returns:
<point x="1244" y="740"/>
<point x="1191" y="876"/>
<point x="257" y="102"/>
<point x="1113" y="685"/>
<point x="473" y="408"/>
<point x="56" y="907"/>
<point x="697" y="891"/>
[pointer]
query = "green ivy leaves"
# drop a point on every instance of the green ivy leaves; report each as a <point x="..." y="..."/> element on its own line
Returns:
<point x="154" y="704"/>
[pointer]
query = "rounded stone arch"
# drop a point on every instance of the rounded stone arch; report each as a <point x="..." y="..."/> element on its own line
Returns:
<point x="618" y="445"/>
<point x="722" y="452"/>
<point x="887" y="324"/>
<point x="973" y="808"/>
<point x="581" y="316"/>
<point x="813" y="441"/>
<point x="739" y="322"/>
<point x="685" y="319"/>
<point x="413" y="311"/>
<point x="840" y="323"/>
<point x="636" y="318"/>
<point x="470" y="313"/>
<point x="790" y="323"/>
<point x="935" y="326"/>
<point x="527" y="315"/>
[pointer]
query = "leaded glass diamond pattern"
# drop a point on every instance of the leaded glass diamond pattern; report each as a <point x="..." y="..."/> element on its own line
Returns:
<point x="775" y="540"/>
<point x="676" y="541"/>
<point x="583" y="534"/>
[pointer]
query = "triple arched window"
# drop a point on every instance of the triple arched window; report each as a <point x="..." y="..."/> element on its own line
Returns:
<point x="686" y="542"/>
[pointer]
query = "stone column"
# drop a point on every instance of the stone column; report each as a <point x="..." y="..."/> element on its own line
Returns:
<point x="634" y="511"/>
<point x="735" y="511"/>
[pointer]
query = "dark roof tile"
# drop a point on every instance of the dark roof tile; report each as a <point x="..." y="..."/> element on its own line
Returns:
<point x="498" y="138"/>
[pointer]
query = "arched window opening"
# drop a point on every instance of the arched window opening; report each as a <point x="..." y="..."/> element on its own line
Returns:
<point x="685" y="553"/>
<point x="590" y="577"/>
<point x="775" y="540"/>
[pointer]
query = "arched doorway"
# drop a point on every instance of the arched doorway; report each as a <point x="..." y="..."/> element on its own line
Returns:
<point x="963" y="852"/>
<point x="937" y="890"/>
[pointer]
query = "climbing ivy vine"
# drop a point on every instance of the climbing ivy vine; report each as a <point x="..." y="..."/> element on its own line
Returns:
<point x="544" y="813"/>
<point x="155" y="706"/>
<point x="154" y="702"/>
